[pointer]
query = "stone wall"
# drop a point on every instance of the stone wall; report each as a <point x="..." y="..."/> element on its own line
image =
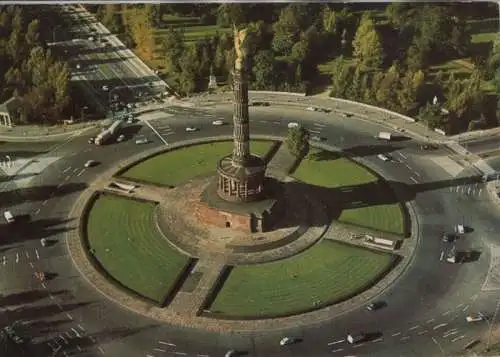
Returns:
<point x="221" y="219"/>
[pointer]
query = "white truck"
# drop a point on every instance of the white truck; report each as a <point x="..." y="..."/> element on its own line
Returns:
<point x="9" y="217"/>
<point x="109" y="133"/>
<point x="384" y="135"/>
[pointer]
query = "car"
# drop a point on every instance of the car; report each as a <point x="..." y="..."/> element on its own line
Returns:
<point x="312" y="109"/>
<point x="375" y="305"/>
<point x="90" y="163"/>
<point x="78" y="66"/>
<point x="449" y="237"/>
<point x="120" y="138"/>
<point x="218" y="122"/>
<point x="287" y="341"/>
<point x="428" y="147"/>
<point x="317" y="138"/>
<point x="293" y="125"/>
<point x="475" y="317"/>
<point x="43" y="242"/>
<point x="142" y="141"/>
<point x="105" y="88"/>
<point x="130" y="105"/>
<point x="353" y="339"/>
<point x="231" y="353"/>
<point x="91" y="140"/>
<point x="191" y="128"/>
<point x="130" y="120"/>
<point x="383" y="157"/>
<point x="346" y="115"/>
<point x="91" y="38"/>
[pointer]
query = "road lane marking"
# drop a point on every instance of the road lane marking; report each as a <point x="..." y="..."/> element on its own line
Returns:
<point x="44" y="286"/>
<point x="180" y="353"/>
<point x="396" y="334"/>
<point x="416" y="173"/>
<point x="60" y="307"/>
<point x="453" y="329"/>
<point x="62" y="338"/>
<point x="408" y="167"/>
<point x="167" y="343"/>
<point x="358" y="345"/>
<point x="474" y="297"/>
<point x="262" y="121"/>
<point x="100" y="349"/>
<point x="75" y="331"/>
<point x="202" y="355"/>
<point x="31" y="265"/>
<point x="401" y="154"/>
<point x="450" y="334"/>
<point x="413" y="179"/>
<point x="414" y="327"/>
<point x="81" y="327"/>
<point x="17" y="257"/>
<point x="78" y="348"/>
<point x="159" y="350"/>
<point x="378" y="340"/>
<point x="75" y="170"/>
<point x="447" y="312"/>
<point x="5" y="260"/>
<point x="465" y="307"/>
<point x="44" y="203"/>
<point x="66" y="170"/>
<point x="404" y="338"/>
<point x="69" y="317"/>
<point x="37" y="211"/>
<point x="36" y="253"/>
<point x="458" y="338"/>
<point x="276" y="122"/>
<point x="422" y="332"/>
<point x="81" y="173"/>
<point x="65" y="354"/>
<point x="92" y="339"/>
<point x="68" y="334"/>
<point x="335" y="342"/>
<point x="459" y="306"/>
<point x="67" y="177"/>
<point x="440" y="325"/>
<point x="27" y="254"/>
<point x="338" y="350"/>
<point x="429" y="321"/>
<point x="52" y="297"/>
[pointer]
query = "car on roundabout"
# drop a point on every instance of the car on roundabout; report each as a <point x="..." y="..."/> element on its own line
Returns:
<point x="120" y="138"/>
<point x="293" y="125"/>
<point x="218" y="122"/>
<point x="285" y="341"/>
<point x="375" y="305"/>
<point x="141" y="141"/>
<point x="191" y="129"/>
<point x="90" y="163"/>
<point x="475" y="317"/>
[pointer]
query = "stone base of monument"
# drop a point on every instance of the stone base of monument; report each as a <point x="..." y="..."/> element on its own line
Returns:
<point x="194" y="220"/>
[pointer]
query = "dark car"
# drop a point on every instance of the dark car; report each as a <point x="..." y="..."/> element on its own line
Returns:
<point x="375" y="305"/>
<point x="428" y="147"/>
<point x="449" y="237"/>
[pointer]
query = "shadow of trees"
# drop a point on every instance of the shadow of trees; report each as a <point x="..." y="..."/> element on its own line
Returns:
<point x="38" y="193"/>
<point x="40" y="312"/>
<point x="17" y="177"/>
<point x="25" y="229"/>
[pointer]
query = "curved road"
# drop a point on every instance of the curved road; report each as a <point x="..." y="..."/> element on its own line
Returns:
<point x="426" y="308"/>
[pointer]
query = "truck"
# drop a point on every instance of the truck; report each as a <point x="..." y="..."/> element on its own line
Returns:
<point x="9" y="217"/>
<point x="383" y="135"/>
<point x="109" y="133"/>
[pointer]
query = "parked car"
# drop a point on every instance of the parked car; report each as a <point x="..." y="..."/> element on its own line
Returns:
<point x="353" y="339"/>
<point x="218" y="122"/>
<point x="346" y="115"/>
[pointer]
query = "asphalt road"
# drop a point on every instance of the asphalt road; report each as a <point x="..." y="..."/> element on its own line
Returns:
<point x="426" y="309"/>
<point x="483" y="145"/>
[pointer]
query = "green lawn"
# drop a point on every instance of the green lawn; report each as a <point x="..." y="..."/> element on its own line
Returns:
<point x="177" y="166"/>
<point x="328" y="272"/>
<point x="121" y="232"/>
<point x="341" y="172"/>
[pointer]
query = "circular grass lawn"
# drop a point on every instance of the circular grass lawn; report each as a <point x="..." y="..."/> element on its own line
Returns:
<point x="122" y="237"/>
<point x="177" y="166"/>
<point x="329" y="272"/>
<point x="334" y="172"/>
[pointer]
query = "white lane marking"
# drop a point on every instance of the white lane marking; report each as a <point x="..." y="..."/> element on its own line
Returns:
<point x="59" y="186"/>
<point x="81" y="173"/>
<point x="404" y="157"/>
<point x="465" y="307"/>
<point x="276" y="122"/>
<point x="414" y="327"/>
<point x="75" y="170"/>
<point x="335" y="342"/>
<point x="378" y="340"/>
<point x="60" y="307"/>
<point x="416" y="173"/>
<point x="180" y="353"/>
<point x="66" y="170"/>
<point x="338" y="350"/>
<point x="67" y="177"/>
<point x="458" y="338"/>
<point x="149" y="355"/>
<point x="453" y="329"/>
<point x="27" y="254"/>
<point x="408" y="167"/>
<point x="422" y="332"/>
<point x="37" y="211"/>
<point x="450" y="334"/>
<point x="159" y="350"/>
<point x="80" y="327"/>
<point x="44" y="203"/>
<point x="78" y="348"/>
<point x="413" y="179"/>
<point x="459" y="306"/>
<point x="5" y="260"/>
<point x="315" y="131"/>
<point x="167" y="343"/>
<point x="155" y="131"/>
<point x="68" y="334"/>
<point x="440" y="325"/>
<point x="31" y="265"/>
<point x="429" y="321"/>
<point x="62" y="338"/>
<point x="36" y="253"/>
<point x="52" y="297"/>
<point x="92" y="339"/>
<point x="446" y="312"/>
<point x="44" y="286"/>
<point x="75" y="331"/>
<point x="262" y="121"/>
<point x="65" y="354"/>
<point x="474" y="297"/>
<point x="202" y="355"/>
<point x="396" y="334"/>
<point x="100" y="349"/>
<point x="358" y="345"/>
<point x="17" y="257"/>
<point x="69" y="317"/>
<point x="51" y="346"/>
<point x="404" y="338"/>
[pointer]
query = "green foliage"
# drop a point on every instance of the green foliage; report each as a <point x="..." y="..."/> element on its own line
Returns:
<point x="430" y="115"/>
<point x="297" y="141"/>
<point x="367" y="45"/>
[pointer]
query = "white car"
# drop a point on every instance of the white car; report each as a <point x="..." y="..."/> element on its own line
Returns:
<point x="43" y="241"/>
<point x="90" y="163"/>
<point x="293" y="125"/>
<point x="191" y="128"/>
<point x="91" y="38"/>
<point x="218" y="122"/>
<point x="141" y="141"/>
<point x="475" y="317"/>
<point x="287" y="341"/>
<point x="383" y="157"/>
<point x="78" y="66"/>
<point x="105" y="88"/>
<point x="311" y="109"/>
<point x="120" y="138"/>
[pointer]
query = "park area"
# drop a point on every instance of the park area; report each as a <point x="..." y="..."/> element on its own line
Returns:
<point x="176" y="167"/>
<point x="327" y="273"/>
<point x="122" y="238"/>
<point x="326" y="169"/>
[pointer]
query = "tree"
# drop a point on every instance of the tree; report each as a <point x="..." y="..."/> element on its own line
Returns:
<point x="329" y="20"/>
<point x="354" y="90"/>
<point x="230" y="14"/>
<point x="172" y="45"/>
<point x="263" y="69"/>
<point x="297" y="141"/>
<point x="341" y="74"/>
<point x="141" y="31"/>
<point x="153" y="14"/>
<point x="32" y="36"/>
<point x="409" y="87"/>
<point x="286" y="30"/>
<point x="385" y="92"/>
<point x="431" y="115"/>
<point x="367" y="46"/>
